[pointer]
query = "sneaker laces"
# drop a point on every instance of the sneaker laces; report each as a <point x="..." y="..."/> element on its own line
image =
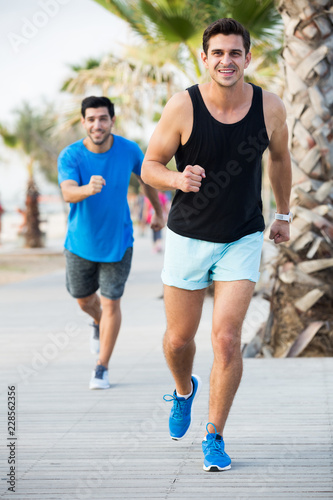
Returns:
<point x="100" y="369"/>
<point x="178" y="405"/>
<point x="216" y="443"/>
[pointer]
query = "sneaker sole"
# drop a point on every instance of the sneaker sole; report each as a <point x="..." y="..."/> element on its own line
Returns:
<point x="215" y="468"/>
<point x="94" y="387"/>
<point x="194" y="399"/>
<point x="101" y="385"/>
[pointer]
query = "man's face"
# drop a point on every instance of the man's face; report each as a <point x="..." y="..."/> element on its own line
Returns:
<point x="226" y="59"/>
<point x="98" y="124"/>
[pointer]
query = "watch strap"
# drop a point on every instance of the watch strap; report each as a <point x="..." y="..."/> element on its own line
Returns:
<point x="286" y="217"/>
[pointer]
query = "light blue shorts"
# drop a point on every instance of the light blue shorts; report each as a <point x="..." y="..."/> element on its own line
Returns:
<point x="194" y="264"/>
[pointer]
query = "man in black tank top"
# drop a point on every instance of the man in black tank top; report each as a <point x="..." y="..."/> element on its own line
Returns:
<point x="217" y="132"/>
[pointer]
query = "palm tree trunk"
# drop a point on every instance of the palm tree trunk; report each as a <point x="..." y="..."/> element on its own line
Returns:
<point x="33" y="234"/>
<point x="301" y="294"/>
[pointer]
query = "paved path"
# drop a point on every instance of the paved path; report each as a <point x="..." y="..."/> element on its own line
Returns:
<point x="73" y="443"/>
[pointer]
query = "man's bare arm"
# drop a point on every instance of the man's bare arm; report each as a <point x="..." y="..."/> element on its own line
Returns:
<point x="164" y="144"/>
<point x="73" y="193"/>
<point x="279" y="170"/>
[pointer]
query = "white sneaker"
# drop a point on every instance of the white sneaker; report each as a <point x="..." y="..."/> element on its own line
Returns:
<point x="100" y="378"/>
<point x="94" y="339"/>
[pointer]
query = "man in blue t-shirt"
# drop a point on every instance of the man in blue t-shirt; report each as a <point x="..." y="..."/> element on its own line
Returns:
<point x="94" y="175"/>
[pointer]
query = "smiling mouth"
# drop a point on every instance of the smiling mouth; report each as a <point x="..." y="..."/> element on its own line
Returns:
<point x="226" y="72"/>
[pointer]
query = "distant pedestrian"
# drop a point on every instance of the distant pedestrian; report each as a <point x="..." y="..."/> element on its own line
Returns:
<point x="94" y="175"/>
<point x="149" y="212"/>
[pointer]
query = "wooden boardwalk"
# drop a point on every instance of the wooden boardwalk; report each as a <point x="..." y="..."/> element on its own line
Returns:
<point x="73" y="443"/>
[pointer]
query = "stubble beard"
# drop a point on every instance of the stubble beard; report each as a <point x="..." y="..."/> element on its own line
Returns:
<point x="226" y="85"/>
<point x="99" y="142"/>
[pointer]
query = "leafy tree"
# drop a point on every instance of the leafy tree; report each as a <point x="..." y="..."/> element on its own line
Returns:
<point x="138" y="87"/>
<point x="24" y="140"/>
<point x="178" y="26"/>
<point x="170" y="33"/>
<point x="34" y="134"/>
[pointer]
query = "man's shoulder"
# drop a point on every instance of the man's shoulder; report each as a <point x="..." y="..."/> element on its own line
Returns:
<point x="178" y="108"/>
<point x="123" y="141"/>
<point x="72" y="149"/>
<point x="272" y="101"/>
<point x="179" y="99"/>
<point x="274" y="108"/>
<point x="128" y="148"/>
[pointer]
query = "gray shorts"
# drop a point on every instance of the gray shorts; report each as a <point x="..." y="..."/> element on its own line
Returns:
<point x="85" y="277"/>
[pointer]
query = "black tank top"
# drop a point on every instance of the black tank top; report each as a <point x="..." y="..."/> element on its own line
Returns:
<point x="228" y="205"/>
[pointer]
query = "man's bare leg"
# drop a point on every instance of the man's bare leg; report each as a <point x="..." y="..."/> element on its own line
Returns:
<point x="109" y="327"/>
<point x="92" y="306"/>
<point x="107" y="314"/>
<point x="183" y="311"/>
<point x="231" y="302"/>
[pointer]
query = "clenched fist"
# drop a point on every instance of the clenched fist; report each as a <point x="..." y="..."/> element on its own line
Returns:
<point x="190" y="178"/>
<point x="96" y="184"/>
<point x="279" y="231"/>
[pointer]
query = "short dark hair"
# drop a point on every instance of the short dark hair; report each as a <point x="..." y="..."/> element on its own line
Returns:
<point x="226" y="26"/>
<point x="97" y="102"/>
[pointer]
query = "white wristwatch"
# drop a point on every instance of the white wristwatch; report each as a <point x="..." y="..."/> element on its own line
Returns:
<point x="286" y="217"/>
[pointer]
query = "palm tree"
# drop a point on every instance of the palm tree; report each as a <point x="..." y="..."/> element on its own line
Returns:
<point x="300" y="280"/>
<point x="170" y="34"/>
<point x="308" y="56"/>
<point x="169" y="23"/>
<point x="34" y="136"/>
<point x="137" y="85"/>
<point x="179" y="24"/>
<point x="23" y="139"/>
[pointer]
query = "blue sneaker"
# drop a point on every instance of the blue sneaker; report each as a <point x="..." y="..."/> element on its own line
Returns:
<point x="180" y="414"/>
<point x="216" y="458"/>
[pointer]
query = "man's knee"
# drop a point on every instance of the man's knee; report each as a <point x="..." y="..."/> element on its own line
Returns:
<point x="226" y="344"/>
<point x="175" y="341"/>
<point x="110" y="307"/>
<point x="86" y="303"/>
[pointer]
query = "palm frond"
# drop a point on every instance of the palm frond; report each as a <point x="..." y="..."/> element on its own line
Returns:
<point x="129" y="12"/>
<point x="9" y="139"/>
<point x="181" y="23"/>
<point x="260" y="17"/>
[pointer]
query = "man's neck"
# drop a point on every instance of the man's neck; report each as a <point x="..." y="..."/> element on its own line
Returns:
<point x="98" y="148"/>
<point x="228" y="98"/>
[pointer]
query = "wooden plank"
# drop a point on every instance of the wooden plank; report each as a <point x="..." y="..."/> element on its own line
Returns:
<point x="74" y="443"/>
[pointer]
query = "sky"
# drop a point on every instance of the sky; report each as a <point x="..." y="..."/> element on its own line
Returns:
<point x="39" y="39"/>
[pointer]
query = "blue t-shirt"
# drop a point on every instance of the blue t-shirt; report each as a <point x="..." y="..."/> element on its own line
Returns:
<point x="100" y="227"/>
